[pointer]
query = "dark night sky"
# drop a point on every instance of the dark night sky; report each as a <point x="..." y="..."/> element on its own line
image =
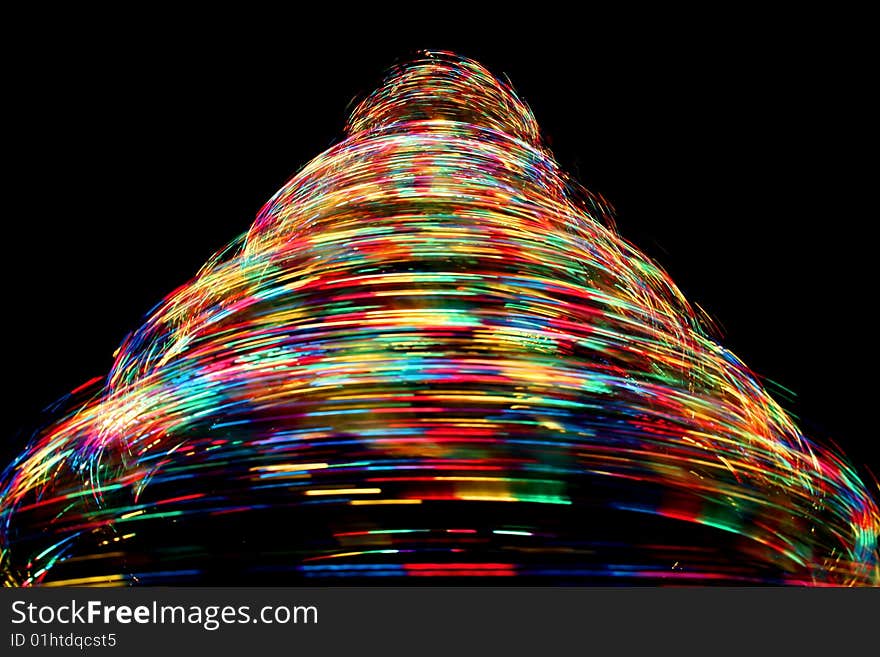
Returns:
<point x="735" y="161"/>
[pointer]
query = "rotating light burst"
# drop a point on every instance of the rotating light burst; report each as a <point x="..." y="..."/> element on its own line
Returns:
<point x="429" y="356"/>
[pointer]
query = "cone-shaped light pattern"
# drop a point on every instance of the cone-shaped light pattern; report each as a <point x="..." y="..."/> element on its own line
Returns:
<point x="431" y="356"/>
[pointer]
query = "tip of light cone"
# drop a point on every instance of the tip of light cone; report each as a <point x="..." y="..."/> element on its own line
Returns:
<point x="442" y="86"/>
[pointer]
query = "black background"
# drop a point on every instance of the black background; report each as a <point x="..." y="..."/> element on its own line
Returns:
<point x="736" y="151"/>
